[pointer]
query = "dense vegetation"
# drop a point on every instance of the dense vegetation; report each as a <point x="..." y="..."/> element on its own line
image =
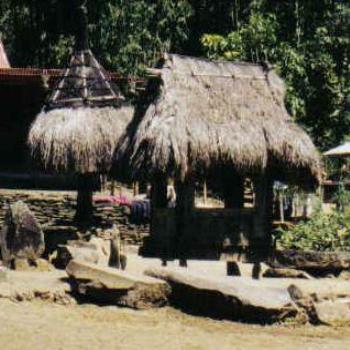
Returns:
<point x="308" y="41"/>
<point x="323" y="232"/>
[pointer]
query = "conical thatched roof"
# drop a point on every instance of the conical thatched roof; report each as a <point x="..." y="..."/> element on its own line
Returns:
<point x="80" y="125"/>
<point x="205" y="114"/>
<point x="85" y="84"/>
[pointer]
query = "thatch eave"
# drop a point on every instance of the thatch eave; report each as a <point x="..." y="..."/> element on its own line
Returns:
<point x="78" y="140"/>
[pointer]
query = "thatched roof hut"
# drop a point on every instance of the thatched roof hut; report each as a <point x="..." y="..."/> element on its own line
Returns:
<point x="79" y="127"/>
<point x="200" y="114"/>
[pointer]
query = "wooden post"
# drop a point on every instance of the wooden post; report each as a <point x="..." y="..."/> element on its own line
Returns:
<point x="263" y="215"/>
<point x="84" y="211"/>
<point x="185" y="197"/>
<point x="205" y="193"/>
<point x="234" y="191"/>
<point x="159" y="201"/>
<point x="136" y="188"/>
<point x="281" y="208"/>
<point x="112" y="187"/>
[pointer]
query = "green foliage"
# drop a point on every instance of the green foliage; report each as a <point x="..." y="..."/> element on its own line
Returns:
<point x="309" y="43"/>
<point x="323" y="232"/>
<point x="134" y="33"/>
<point x="126" y="35"/>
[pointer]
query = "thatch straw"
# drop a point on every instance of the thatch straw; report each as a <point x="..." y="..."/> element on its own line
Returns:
<point x="81" y="123"/>
<point x="78" y="140"/>
<point x="208" y="113"/>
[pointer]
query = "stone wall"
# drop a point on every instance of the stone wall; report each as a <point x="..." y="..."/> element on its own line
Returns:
<point x="55" y="211"/>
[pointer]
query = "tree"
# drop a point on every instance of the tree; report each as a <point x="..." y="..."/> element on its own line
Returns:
<point x="309" y="44"/>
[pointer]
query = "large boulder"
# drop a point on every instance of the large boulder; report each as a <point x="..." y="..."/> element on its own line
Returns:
<point x="333" y="312"/>
<point x="235" y="298"/>
<point x="96" y="251"/>
<point x="22" y="236"/>
<point x="105" y="250"/>
<point x="111" y="286"/>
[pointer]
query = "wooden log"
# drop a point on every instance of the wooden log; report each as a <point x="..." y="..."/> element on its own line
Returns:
<point x="231" y="297"/>
<point x="153" y="72"/>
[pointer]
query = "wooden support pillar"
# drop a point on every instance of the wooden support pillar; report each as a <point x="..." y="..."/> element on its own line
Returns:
<point x="112" y="187"/>
<point x="185" y="197"/>
<point x="84" y="210"/>
<point x="263" y="214"/>
<point x="205" y="193"/>
<point x="233" y="191"/>
<point x="159" y="227"/>
<point x="159" y="192"/>
<point x="135" y="186"/>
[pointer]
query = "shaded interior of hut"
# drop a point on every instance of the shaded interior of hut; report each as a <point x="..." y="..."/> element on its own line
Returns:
<point x="224" y="216"/>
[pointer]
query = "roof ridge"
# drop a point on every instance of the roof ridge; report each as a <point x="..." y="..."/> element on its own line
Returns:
<point x="207" y="60"/>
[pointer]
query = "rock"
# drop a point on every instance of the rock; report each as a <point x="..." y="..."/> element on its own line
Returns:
<point x="226" y="297"/>
<point x="118" y="258"/>
<point x="315" y="263"/>
<point x="22" y="236"/>
<point x="345" y="275"/>
<point x="21" y="265"/>
<point x="96" y="251"/>
<point x="112" y="286"/>
<point x="43" y="265"/>
<point x="333" y="312"/>
<point x="3" y="275"/>
<point x="40" y="265"/>
<point x="286" y="273"/>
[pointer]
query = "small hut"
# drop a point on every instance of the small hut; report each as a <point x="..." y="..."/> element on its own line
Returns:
<point x="79" y="126"/>
<point x="225" y="121"/>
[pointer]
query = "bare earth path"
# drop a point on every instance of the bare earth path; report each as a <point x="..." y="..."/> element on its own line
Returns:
<point x="38" y="325"/>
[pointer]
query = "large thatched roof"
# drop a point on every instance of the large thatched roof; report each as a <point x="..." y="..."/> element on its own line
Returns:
<point x="206" y="113"/>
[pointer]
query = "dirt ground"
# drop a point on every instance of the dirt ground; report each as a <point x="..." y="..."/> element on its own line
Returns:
<point x="39" y="325"/>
